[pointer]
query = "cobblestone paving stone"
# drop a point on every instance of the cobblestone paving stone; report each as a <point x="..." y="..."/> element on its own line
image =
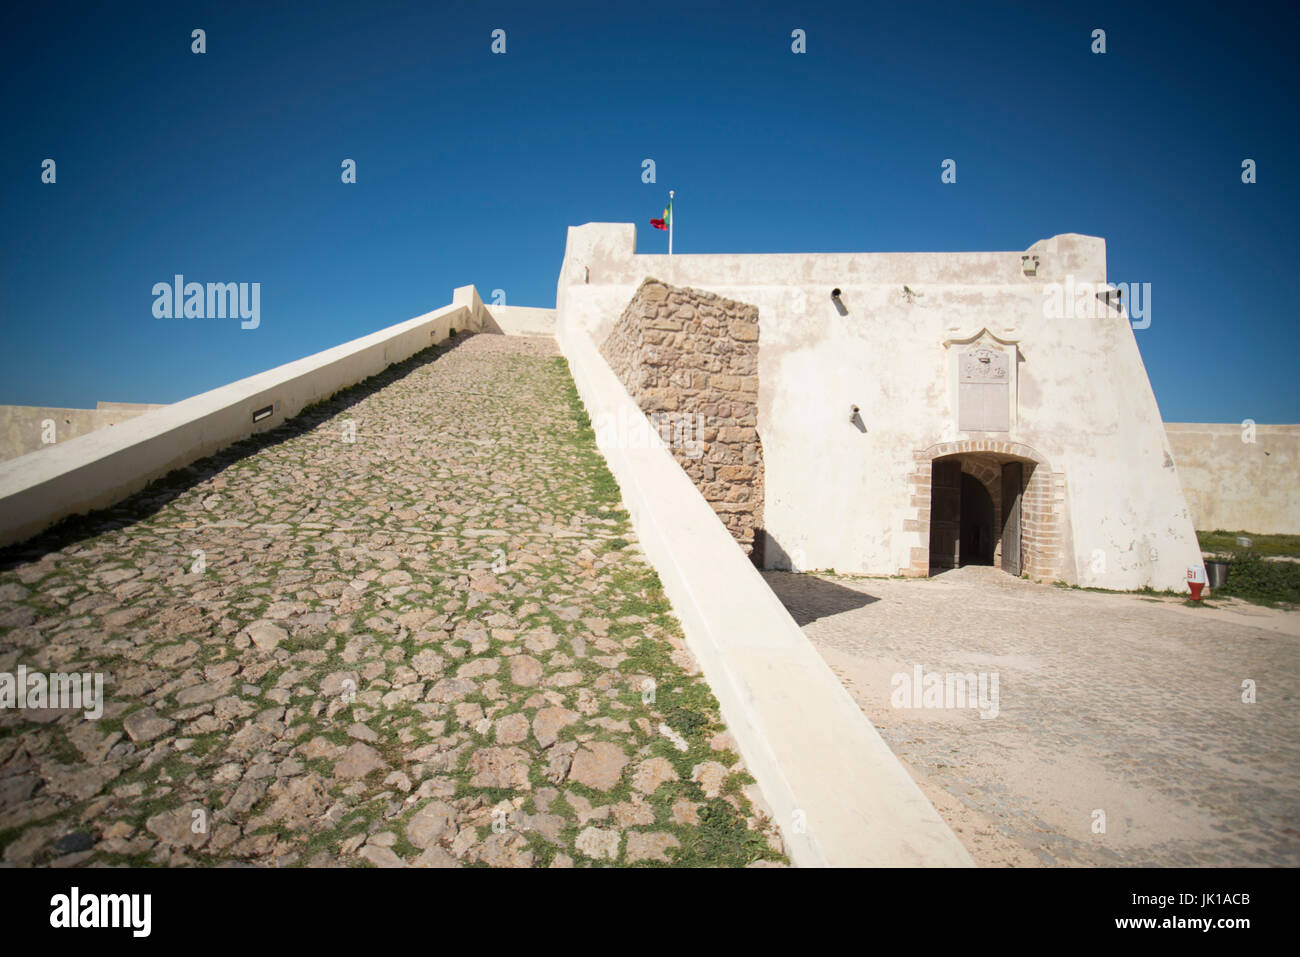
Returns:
<point x="437" y="645"/>
<point x="1111" y="702"/>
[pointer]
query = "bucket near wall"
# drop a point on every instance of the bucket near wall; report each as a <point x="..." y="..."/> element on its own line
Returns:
<point x="1216" y="572"/>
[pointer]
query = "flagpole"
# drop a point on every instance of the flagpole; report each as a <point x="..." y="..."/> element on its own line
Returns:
<point x="671" y="217"/>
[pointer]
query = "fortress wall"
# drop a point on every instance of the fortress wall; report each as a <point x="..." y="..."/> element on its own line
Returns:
<point x="837" y="492"/>
<point x="1239" y="478"/>
<point x="23" y="429"/>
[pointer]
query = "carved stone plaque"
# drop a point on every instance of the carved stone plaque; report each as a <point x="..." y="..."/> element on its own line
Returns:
<point x="983" y="390"/>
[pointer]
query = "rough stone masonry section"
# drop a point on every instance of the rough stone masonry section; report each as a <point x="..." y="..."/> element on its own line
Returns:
<point x="690" y="360"/>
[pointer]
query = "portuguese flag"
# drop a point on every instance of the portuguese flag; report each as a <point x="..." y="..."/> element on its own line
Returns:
<point x="667" y="220"/>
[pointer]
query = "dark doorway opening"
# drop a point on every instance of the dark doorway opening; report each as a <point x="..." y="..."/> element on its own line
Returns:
<point x="977" y="535"/>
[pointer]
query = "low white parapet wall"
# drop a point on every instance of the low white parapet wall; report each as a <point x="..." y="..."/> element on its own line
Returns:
<point x="839" y="795"/>
<point x="101" y="468"/>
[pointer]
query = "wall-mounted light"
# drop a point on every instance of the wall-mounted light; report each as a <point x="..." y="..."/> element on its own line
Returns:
<point x="855" y="419"/>
<point x="839" y="306"/>
<point x="1111" y="295"/>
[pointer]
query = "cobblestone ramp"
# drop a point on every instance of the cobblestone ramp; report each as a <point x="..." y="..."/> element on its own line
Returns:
<point x="435" y="645"/>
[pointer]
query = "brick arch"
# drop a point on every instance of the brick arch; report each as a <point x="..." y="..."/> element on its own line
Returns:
<point x="1016" y="450"/>
<point x="1042" y="503"/>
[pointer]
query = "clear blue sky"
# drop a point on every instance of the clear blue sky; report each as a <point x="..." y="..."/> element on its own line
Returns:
<point x="225" y="166"/>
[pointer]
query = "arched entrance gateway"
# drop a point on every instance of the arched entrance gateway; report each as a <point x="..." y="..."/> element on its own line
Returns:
<point x="987" y="503"/>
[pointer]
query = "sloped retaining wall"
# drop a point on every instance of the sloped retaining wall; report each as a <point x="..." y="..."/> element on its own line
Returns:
<point x="839" y="795"/>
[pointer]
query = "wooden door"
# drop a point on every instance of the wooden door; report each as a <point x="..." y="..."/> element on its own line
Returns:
<point x="945" y="515"/>
<point x="1012" y="479"/>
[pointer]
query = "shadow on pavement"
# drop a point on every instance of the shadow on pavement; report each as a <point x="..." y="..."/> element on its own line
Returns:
<point x="808" y="598"/>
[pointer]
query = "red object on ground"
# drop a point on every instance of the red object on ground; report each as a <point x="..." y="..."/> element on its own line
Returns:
<point x="1196" y="589"/>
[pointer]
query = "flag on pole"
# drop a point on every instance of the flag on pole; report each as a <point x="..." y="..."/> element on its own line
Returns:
<point x="667" y="220"/>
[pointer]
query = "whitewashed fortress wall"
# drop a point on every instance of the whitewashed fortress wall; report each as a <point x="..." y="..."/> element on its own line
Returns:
<point x="29" y="428"/>
<point x="1080" y="408"/>
<point x="1240" y="477"/>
